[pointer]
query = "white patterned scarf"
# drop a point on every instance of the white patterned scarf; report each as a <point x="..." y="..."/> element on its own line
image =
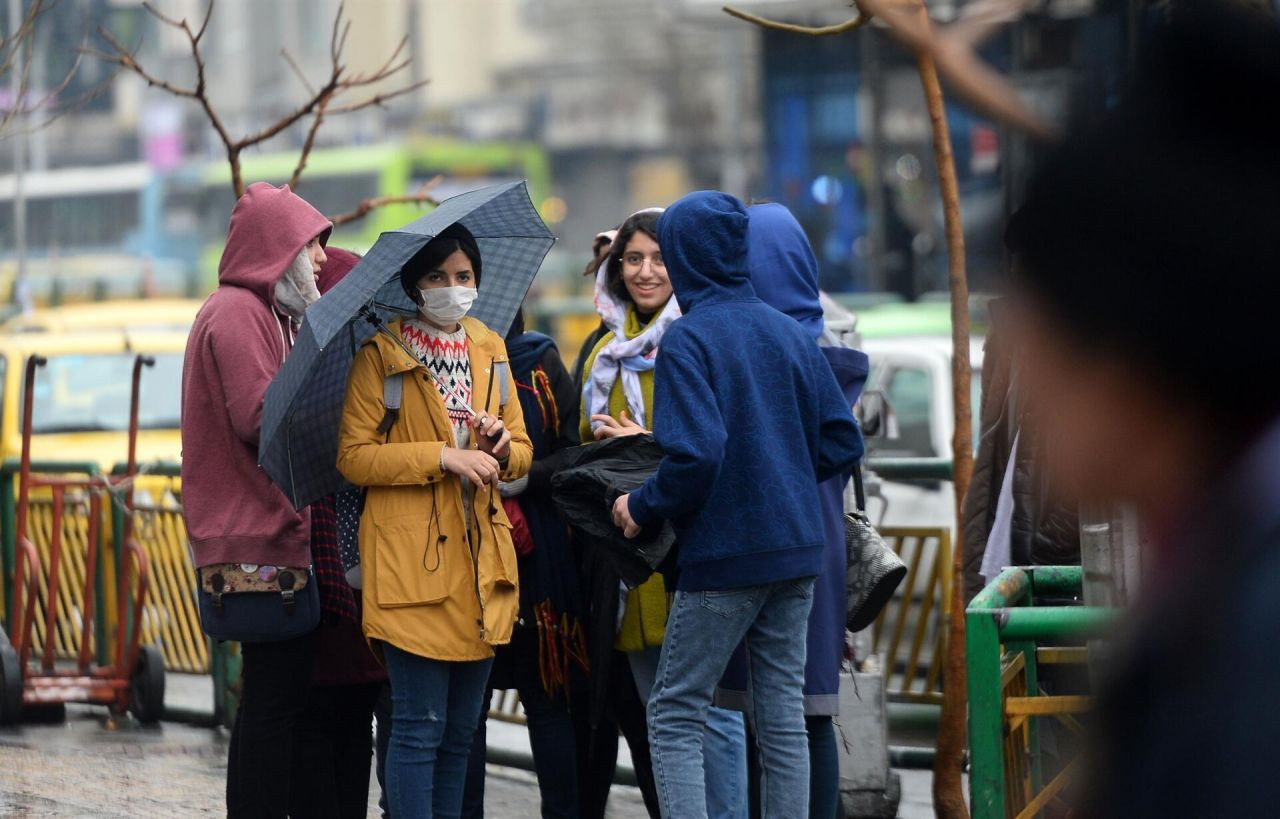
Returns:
<point x="622" y="356"/>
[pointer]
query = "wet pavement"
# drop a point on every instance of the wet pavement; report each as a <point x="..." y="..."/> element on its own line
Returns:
<point x="92" y="766"/>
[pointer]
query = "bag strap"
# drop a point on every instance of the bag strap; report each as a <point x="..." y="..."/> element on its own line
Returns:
<point x="392" y="397"/>
<point x="859" y="491"/>
<point x="502" y="372"/>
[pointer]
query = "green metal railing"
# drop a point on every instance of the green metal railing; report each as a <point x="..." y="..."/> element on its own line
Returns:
<point x="1005" y="701"/>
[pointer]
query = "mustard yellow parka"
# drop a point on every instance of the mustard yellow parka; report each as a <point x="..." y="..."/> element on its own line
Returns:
<point x="430" y="587"/>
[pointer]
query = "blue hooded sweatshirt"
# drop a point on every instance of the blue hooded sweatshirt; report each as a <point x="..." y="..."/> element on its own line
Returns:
<point x="784" y="274"/>
<point x="746" y="410"/>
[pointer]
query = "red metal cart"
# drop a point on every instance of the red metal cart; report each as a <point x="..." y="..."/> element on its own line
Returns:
<point x="133" y="679"/>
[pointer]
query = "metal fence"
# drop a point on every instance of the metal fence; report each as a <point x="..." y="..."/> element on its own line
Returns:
<point x="1010" y="635"/>
<point x="909" y="634"/>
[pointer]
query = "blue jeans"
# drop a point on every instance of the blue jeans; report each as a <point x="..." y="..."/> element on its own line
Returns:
<point x="724" y="744"/>
<point x="435" y="706"/>
<point x="703" y="629"/>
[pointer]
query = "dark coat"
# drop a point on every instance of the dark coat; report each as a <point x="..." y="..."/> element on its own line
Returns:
<point x="1044" y="532"/>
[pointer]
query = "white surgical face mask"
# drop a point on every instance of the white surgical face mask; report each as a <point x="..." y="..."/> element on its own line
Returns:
<point x="445" y="305"/>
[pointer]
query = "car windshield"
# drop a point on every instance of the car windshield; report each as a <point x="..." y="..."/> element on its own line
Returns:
<point x="90" y="393"/>
<point x="909" y="390"/>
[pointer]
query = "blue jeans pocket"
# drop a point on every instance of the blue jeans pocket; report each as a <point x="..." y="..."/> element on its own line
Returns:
<point x="728" y="603"/>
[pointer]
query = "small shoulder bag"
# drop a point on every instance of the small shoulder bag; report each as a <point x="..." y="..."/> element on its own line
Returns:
<point x="874" y="570"/>
<point x="252" y="603"/>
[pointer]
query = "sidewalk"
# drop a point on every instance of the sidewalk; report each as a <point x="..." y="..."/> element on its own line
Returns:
<point x="93" y="767"/>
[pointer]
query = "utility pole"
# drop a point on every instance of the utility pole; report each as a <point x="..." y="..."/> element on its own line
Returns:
<point x="21" y="288"/>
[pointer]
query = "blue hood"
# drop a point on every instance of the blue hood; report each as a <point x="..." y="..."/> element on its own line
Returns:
<point x="703" y="238"/>
<point x="784" y="272"/>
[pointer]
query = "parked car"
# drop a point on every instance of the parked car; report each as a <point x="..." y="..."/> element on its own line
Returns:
<point x="914" y="374"/>
<point x="81" y="401"/>
<point x="131" y="316"/>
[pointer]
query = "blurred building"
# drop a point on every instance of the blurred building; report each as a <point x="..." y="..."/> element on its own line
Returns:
<point x="612" y="105"/>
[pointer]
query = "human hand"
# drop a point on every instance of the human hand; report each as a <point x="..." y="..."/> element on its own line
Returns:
<point x="494" y="437"/>
<point x="616" y="428"/>
<point x="622" y="517"/>
<point x="480" y="468"/>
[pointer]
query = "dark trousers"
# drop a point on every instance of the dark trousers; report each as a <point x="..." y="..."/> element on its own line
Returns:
<point x="598" y="746"/>
<point x="824" y="770"/>
<point x="332" y="750"/>
<point x="276" y="679"/>
<point x="551" y="734"/>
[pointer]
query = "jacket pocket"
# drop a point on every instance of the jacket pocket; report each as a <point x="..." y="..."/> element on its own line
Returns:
<point x="410" y="568"/>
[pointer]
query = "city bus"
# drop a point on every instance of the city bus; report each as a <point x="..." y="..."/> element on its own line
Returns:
<point x="127" y="230"/>
<point x="336" y="180"/>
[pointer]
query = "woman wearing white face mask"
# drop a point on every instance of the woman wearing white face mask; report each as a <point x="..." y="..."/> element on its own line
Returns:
<point x="436" y="553"/>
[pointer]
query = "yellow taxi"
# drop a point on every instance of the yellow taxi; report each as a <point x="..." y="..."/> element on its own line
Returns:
<point x="80" y="408"/>
<point x="132" y="316"/>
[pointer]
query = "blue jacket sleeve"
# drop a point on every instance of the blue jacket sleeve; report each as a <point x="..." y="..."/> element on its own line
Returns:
<point x="689" y="428"/>
<point x="840" y="444"/>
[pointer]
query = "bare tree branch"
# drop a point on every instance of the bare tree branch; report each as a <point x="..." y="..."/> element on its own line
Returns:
<point x="379" y="99"/>
<point x="319" y="105"/>
<point x="297" y="71"/>
<point x="421" y="197"/>
<point x="972" y="78"/>
<point x="295" y="178"/>
<point x="792" y="28"/>
<point x="952" y="51"/>
<point x="18" y="53"/>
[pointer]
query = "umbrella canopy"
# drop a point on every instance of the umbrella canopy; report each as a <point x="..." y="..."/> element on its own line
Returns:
<point x="298" y="446"/>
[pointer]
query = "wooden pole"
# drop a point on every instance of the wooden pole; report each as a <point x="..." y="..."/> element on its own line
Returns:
<point x="948" y="793"/>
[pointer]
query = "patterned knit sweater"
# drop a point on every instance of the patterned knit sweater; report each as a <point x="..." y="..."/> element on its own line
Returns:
<point x="446" y="358"/>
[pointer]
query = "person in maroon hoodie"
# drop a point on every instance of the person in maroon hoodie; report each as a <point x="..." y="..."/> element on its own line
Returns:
<point x="234" y="513"/>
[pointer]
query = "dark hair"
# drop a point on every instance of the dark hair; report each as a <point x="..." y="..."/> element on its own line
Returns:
<point x="517" y="326"/>
<point x="645" y="222"/>
<point x="433" y="253"/>
<point x="1150" y="236"/>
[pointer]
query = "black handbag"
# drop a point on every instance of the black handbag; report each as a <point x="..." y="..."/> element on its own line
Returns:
<point x="874" y="570"/>
<point x="250" y="603"/>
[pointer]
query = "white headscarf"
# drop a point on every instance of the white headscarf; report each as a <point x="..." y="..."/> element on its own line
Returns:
<point x="623" y="356"/>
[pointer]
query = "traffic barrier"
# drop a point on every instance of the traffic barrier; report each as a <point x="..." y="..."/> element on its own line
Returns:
<point x="1007" y="632"/>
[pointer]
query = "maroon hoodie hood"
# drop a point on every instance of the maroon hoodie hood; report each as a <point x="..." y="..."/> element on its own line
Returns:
<point x="234" y="513"/>
<point x="269" y="228"/>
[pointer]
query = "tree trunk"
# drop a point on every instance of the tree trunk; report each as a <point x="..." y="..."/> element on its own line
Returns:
<point x="948" y="793"/>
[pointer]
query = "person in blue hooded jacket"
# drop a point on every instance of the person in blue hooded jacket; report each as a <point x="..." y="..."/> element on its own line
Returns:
<point x="751" y="419"/>
<point x="784" y="274"/>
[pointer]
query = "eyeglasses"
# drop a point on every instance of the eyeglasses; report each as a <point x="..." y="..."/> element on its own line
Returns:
<point x="635" y="260"/>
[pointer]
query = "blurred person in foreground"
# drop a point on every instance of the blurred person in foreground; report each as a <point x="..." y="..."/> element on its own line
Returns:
<point x="750" y="419"/>
<point x="233" y="511"/>
<point x="1146" y="291"/>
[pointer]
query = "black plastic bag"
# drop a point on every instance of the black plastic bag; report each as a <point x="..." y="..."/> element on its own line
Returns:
<point x="585" y="488"/>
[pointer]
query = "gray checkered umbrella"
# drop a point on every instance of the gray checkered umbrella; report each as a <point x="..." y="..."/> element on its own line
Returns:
<point x="298" y="446"/>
